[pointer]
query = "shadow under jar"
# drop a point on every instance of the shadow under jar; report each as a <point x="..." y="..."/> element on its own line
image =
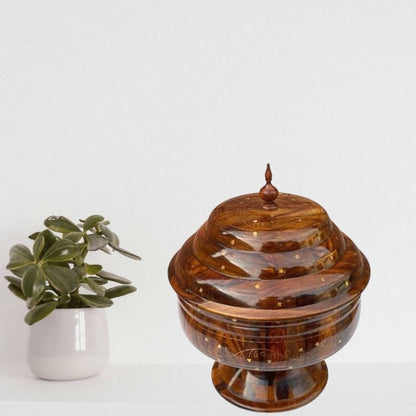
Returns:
<point x="269" y="287"/>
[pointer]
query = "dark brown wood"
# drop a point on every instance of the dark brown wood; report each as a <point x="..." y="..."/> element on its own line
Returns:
<point x="270" y="391"/>
<point x="269" y="193"/>
<point x="269" y="294"/>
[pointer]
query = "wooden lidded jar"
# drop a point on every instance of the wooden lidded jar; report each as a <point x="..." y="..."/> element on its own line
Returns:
<point x="269" y="287"/>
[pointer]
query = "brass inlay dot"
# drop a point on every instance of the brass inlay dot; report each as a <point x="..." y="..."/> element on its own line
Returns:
<point x="317" y="344"/>
<point x="201" y="290"/>
<point x="281" y="270"/>
<point x="297" y="256"/>
<point x="257" y="285"/>
<point x="223" y="252"/>
<point x="322" y="279"/>
<point x="269" y="361"/>
<point x="222" y="267"/>
<point x="248" y="360"/>
<point x="279" y="304"/>
<point x="234" y="320"/>
<point x="347" y="283"/>
<point x="219" y="346"/>
<point x="255" y="221"/>
<point x="232" y="242"/>
<point x="300" y="349"/>
<point x="206" y="339"/>
<point x="254" y="233"/>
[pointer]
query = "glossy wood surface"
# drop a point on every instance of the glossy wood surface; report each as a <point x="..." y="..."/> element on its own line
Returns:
<point x="270" y="391"/>
<point x="269" y="286"/>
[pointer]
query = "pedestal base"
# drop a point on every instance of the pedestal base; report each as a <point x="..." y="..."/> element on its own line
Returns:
<point x="269" y="391"/>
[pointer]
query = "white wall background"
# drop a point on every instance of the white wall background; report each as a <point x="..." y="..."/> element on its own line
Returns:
<point x="153" y="112"/>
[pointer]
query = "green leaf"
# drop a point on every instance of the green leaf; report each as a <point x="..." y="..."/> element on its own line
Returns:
<point x="95" y="242"/>
<point x="61" y="278"/>
<point x="98" y="280"/>
<point x="20" y="256"/>
<point x="21" y="272"/>
<point x="92" y="268"/>
<point x="80" y="270"/>
<point x="34" y="235"/>
<point x="17" y="292"/>
<point x="92" y="221"/>
<point x="33" y="282"/>
<point x="117" y="291"/>
<point x="74" y="236"/>
<point x="33" y="301"/>
<point x="116" y="240"/>
<point x="50" y="239"/>
<point x="106" y="250"/>
<point x="124" y="252"/>
<point x="38" y="246"/>
<point x="95" y="301"/>
<point x="99" y="290"/>
<point x="15" y="281"/>
<point x="113" y="277"/>
<point x="49" y="296"/>
<point x="84" y="251"/>
<point x="60" y="224"/>
<point x="108" y="233"/>
<point x="39" y="312"/>
<point x="61" y="250"/>
<point x="79" y="259"/>
<point x="65" y="298"/>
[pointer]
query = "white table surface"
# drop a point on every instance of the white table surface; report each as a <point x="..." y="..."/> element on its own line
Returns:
<point x="123" y="389"/>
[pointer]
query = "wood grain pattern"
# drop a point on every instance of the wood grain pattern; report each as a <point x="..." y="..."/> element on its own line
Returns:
<point x="269" y="291"/>
<point x="270" y="391"/>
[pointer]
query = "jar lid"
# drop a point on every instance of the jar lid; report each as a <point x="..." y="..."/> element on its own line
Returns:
<point x="269" y="255"/>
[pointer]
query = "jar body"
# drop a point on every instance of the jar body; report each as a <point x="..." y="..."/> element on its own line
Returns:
<point x="277" y="345"/>
<point x="269" y="287"/>
<point x="69" y="344"/>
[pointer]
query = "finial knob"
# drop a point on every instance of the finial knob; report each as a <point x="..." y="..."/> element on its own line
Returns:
<point x="269" y="193"/>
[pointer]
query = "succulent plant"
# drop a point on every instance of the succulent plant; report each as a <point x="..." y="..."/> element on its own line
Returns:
<point x="54" y="274"/>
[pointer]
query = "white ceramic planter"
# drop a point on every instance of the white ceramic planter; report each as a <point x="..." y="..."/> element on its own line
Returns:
<point x="69" y="344"/>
